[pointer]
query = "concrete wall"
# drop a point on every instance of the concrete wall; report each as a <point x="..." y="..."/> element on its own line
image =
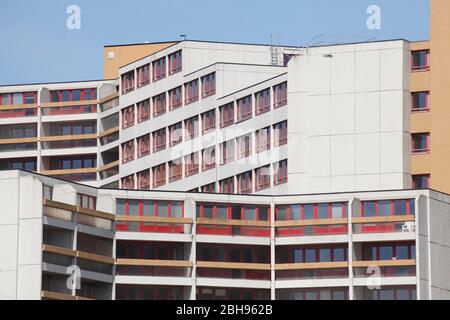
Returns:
<point x="349" y="118"/>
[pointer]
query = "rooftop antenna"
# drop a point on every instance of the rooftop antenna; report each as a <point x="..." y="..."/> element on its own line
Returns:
<point x="183" y="37"/>
<point x="274" y="49"/>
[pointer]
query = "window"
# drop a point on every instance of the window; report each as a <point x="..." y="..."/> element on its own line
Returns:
<point x="244" y="145"/>
<point x="128" y="82"/>
<point x="191" y="91"/>
<point x="143" y="110"/>
<point x="420" y="60"/>
<point x="209" y="158"/>
<point x="143" y="74"/>
<point x="209" y="121"/>
<point x="191" y="127"/>
<point x="280" y="172"/>
<point x="191" y="164"/>
<point x="316" y="211"/>
<point x="175" y="170"/>
<point x="143" y="146"/>
<point x="159" y="175"/>
<point x="262" y="177"/>
<point x="175" y="134"/>
<point x="7" y="99"/>
<point x="128" y="117"/>
<point x="175" y="62"/>
<point x="420" y="101"/>
<point x="159" y="69"/>
<point x="85" y="201"/>
<point x="208" y="85"/>
<point x="245" y="183"/>
<point x="389" y="251"/>
<point x="143" y="180"/>
<point x="420" y="142"/>
<point x="227" y="152"/>
<point x="421" y="182"/>
<point x="226" y="185"/>
<point x="128" y="183"/>
<point x="383" y="208"/>
<point x="128" y="151"/>
<point x="175" y="100"/>
<point x="73" y="95"/>
<point x="209" y="188"/>
<point x="262" y="101"/>
<point x="263" y="139"/>
<point x="226" y="115"/>
<point x="21" y="164"/>
<point x="159" y="105"/>
<point x="159" y="140"/>
<point x="280" y="134"/>
<point x="280" y="95"/>
<point x="244" y="111"/>
<point x="309" y="254"/>
<point x="65" y="163"/>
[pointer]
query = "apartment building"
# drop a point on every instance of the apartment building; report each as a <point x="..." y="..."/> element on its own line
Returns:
<point x="62" y="240"/>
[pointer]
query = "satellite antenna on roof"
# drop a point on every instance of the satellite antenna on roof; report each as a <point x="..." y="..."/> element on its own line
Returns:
<point x="183" y="37"/>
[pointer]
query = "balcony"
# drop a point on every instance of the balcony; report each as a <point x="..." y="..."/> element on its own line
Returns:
<point x="250" y="228"/>
<point x="16" y="111"/>
<point x="154" y="268"/>
<point x="68" y="108"/>
<point x="153" y="224"/>
<point x="385" y="224"/>
<point x="69" y="141"/>
<point x="313" y="270"/>
<point x="83" y="174"/>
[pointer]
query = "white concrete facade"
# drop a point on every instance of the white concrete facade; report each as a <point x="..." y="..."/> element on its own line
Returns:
<point x="27" y="273"/>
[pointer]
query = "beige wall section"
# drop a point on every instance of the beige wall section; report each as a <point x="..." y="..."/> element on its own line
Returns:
<point x="440" y="93"/>
<point x="126" y="54"/>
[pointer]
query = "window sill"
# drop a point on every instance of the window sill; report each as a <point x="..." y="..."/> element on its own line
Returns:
<point x="208" y="94"/>
<point x="191" y="101"/>
<point x="420" y="110"/>
<point x="146" y="83"/>
<point x="174" y="107"/>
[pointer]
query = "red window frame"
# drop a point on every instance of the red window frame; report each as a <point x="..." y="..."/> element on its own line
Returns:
<point x="209" y="121"/>
<point x="191" y="93"/>
<point x="426" y="176"/>
<point x="143" y="180"/>
<point x="209" y="188"/>
<point x="245" y="182"/>
<point x="143" y="143"/>
<point x="175" y="134"/>
<point x="127" y="84"/>
<point x="262" y="178"/>
<point x="143" y="110"/>
<point x="280" y="134"/>
<point x="262" y="100"/>
<point x="226" y="115"/>
<point x="208" y="85"/>
<point x="228" y="230"/>
<point x="191" y="127"/>
<point x="227" y="149"/>
<point x="159" y="69"/>
<point x="263" y="139"/>
<point x="128" y="151"/>
<point x="280" y="95"/>
<point x="422" y="68"/>
<point x="244" y="146"/>
<point x="175" y="62"/>
<point x="86" y="94"/>
<point x="25" y="95"/>
<point x="418" y="108"/>
<point x="128" y="182"/>
<point x="159" y="105"/>
<point x="128" y="117"/>
<point x="159" y="140"/>
<point x="147" y="227"/>
<point x="394" y="245"/>
<point x="191" y="166"/>
<point x="143" y="75"/>
<point x="427" y="143"/>
<point x="86" y="201"/>
<point x="175" y="98"/>
<point x="244" y="109"/>
<point x="159" y="175"/>
<point x="208" y="158"/>
<point x="175" y="170"/>
<point x="280" y="176"/>
<point x="392" y="207"/>
<point x="226" y="185"/>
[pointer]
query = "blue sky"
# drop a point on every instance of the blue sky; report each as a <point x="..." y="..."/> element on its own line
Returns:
<point x="37" y="46"/>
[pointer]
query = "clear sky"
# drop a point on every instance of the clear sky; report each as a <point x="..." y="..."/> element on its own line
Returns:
<point x="38" y="47"/>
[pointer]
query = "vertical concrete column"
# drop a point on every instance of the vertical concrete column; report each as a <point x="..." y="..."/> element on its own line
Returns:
<point x="272" y="250"/>
<point x="354" y="207"/>
<point x="190" y="209"/>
